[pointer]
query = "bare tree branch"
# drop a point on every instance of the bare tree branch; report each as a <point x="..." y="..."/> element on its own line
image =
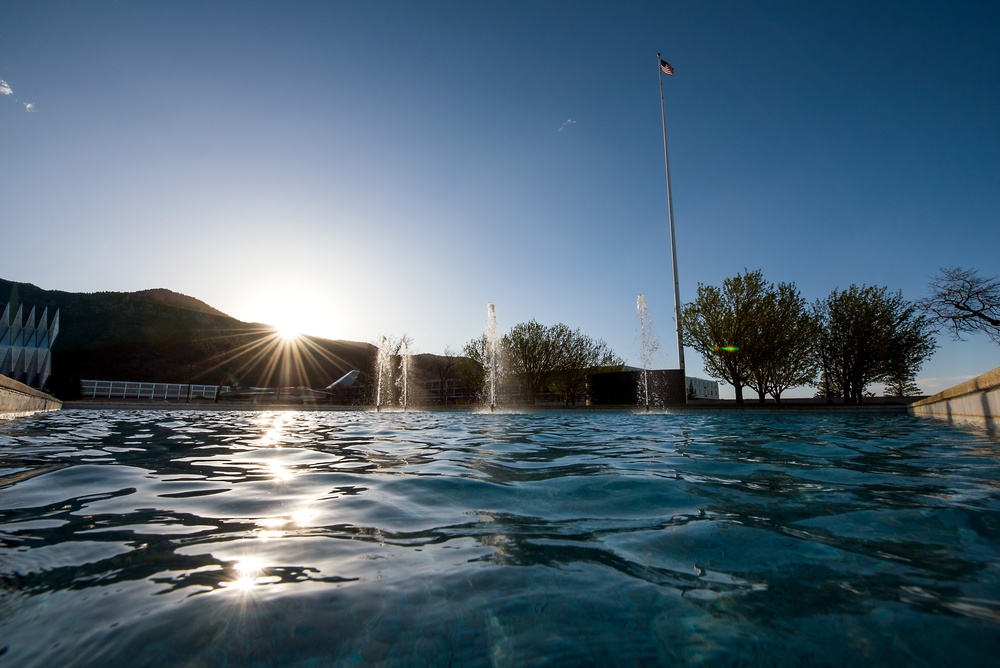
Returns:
<point x="964" y="302"/>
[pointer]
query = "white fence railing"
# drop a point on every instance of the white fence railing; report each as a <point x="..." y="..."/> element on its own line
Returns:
<point x="124" y="389"/>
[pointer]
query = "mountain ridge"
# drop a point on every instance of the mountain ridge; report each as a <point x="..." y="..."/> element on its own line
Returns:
<point x="159" y="335"/>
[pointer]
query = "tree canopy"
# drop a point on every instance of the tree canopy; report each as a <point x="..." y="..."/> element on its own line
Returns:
<point x="784" y="356"/>
<point x="721" y="324"/>
<point x="752" y="334"/>
<point x="473" y="363"/>
<point x="539" y="357"/>
<point x="964" y="302"/>
<point x="868" y="335"/>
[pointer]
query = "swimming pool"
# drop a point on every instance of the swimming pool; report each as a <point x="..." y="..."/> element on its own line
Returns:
<point x="167" y="538"/>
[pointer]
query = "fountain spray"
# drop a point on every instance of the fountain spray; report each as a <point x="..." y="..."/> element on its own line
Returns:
<point x="492" y="346"/>
<point x="404" y="367"/>
<point x="382" y="362"/>
<point x="648" y="345"/>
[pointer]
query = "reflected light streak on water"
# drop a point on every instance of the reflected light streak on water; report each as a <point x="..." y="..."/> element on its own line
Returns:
<point x="248" y="571"/>
<point x="577" y="538"/>
<point x="279" y="472"/>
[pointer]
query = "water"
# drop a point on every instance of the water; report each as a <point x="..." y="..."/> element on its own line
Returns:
<point x="647" y="346"/>
<point x="493" y="371"/>
<point x="184" y="538"/>
<point x="389" y="391"/>
<point x="384" y="371"/>
<point x="404" y="374"/>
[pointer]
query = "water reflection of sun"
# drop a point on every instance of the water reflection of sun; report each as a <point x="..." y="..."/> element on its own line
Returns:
<point x="246" y="573"/>
<point x="274" y="424"/>
<point x="280" y="473"/>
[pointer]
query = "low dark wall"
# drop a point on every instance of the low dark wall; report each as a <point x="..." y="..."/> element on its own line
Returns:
<point x="622" y="388"/>
<point x="17" y="397"/>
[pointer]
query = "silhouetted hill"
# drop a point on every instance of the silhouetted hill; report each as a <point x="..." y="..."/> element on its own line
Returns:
<point x="163" y="336"/>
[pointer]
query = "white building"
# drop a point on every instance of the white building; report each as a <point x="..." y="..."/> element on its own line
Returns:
<point x="699" y="388"/>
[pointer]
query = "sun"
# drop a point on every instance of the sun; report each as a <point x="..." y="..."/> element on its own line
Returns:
<point x="290" y="314"/>
<point x="289" y="333"/>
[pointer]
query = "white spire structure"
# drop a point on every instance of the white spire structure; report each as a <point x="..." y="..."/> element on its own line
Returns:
<point x="26" y="345"/>
<point x="663" y="67"/>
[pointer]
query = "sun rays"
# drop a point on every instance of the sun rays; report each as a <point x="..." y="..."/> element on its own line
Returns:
<point x="272" y="358"/>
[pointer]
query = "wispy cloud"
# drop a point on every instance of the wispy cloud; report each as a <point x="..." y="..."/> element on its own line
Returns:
<point x="933" y="385"/>
<point x="568" y="121"/>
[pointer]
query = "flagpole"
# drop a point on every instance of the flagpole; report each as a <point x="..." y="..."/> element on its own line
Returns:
<point x="670" y="220"/>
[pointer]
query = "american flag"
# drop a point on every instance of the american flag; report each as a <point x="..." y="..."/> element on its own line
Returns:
<point x="666" y="68"/>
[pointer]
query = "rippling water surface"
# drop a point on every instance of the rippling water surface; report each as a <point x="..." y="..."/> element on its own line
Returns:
<point x="581" y="538"/>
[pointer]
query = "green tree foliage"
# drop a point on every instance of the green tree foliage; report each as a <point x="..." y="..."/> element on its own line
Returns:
<point x="471" y="365"/>
<point x="581" y="357"/>
<point x="720" y="325"/>
<point x="535" y="353"/>
<point x="539" y="357"/>
<point x="869" y="335"/>
<point x="784" y="355"/>
<point x="912" y="342"/>
<point x="964" y="302"/>
<point x="901" y="386"/>
<point x="751" y="334"/>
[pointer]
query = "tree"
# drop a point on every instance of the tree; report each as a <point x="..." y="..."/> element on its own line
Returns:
<point x="785" y="356"/>
<point x="472" y="365"/>
<point x="552" y="358"/>
<point x="964" y="302"/>
<point x="901" y="386"/>
<point x="444" y="368"/>
<point x="723" y="326"/>
<point x="581" y="357"/>
<point x="829" y="389"/>
<point x="866" y="335"/>
<point x="536" y="353"/>
<point x="912" y="343"/>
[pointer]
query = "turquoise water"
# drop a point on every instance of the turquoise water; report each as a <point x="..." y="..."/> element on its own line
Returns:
<point x="155" y="538"/>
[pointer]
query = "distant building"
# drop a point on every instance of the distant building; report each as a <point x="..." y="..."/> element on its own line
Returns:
<point x="453" y="391"/>
<point x="26" y="345"/>
<point x="699" y="388"/>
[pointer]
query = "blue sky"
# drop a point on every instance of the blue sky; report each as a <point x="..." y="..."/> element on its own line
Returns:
<point x="355" y="169"/>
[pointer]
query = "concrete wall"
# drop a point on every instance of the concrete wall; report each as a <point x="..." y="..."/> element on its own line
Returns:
<point x="18" y="398"/>
<point x="974" y="402"/>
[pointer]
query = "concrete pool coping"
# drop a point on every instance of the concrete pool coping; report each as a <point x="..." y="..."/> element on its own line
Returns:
<point x="975" y="402"/>
<point x="788" y="406"/>
<point x="19" y="399"/>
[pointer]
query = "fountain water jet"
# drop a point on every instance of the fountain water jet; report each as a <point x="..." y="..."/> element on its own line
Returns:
<point x="392" y="380"/>
<point x="492" y="355"/>
<point x="384" y="370"/>
<point x="404" y="368"/>
<point x="648" y="346"/>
